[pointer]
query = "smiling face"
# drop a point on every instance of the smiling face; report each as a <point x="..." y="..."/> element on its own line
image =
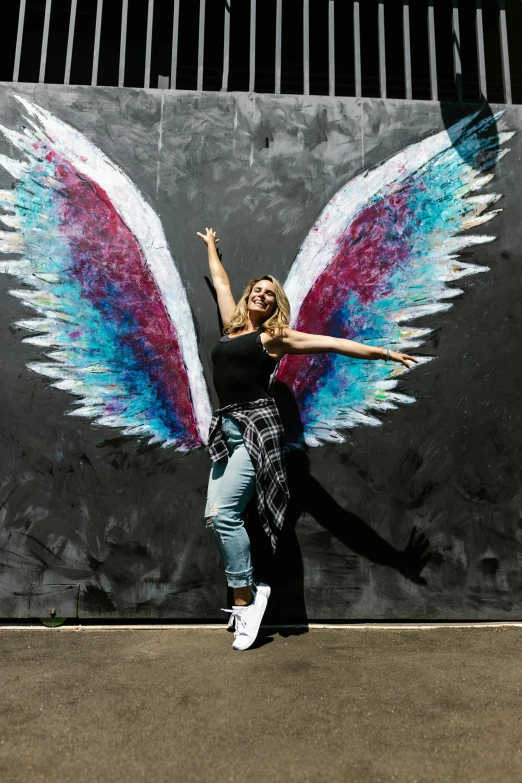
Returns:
<point x="262" y="299"/>
<point x="263" y="304"/>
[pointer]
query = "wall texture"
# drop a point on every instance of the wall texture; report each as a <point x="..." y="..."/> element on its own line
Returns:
<point x="106" y="525"/>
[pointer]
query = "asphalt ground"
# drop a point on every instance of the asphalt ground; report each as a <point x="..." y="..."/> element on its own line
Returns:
<point x="354" y="705"/>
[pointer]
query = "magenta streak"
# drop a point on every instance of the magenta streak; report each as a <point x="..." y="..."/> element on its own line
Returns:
<point x="109" y="264"/>
<point x="375" y="243"/>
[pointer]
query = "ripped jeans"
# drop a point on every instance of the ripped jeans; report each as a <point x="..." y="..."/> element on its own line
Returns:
<point x="232" y="484"/>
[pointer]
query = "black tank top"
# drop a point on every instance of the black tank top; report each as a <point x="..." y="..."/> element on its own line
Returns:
<point x="241" y="369"/>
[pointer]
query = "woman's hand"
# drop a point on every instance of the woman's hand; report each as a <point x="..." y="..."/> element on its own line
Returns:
<point x="209" y="238"/>
<point x="403" y="358"/>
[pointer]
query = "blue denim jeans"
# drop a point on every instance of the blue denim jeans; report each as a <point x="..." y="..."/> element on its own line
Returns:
<point x="232" y="484"/>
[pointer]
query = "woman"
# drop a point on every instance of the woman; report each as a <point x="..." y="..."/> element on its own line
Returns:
<point x="246" y="434"/>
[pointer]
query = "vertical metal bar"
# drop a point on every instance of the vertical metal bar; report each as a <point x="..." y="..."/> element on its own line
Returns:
<point x="457" y="62"/>
<point x="148" y="47"/>
<point x="123" y="42"/>
<point x="252" y="75"/>
<point x="407" y="48"/>
<point x="505" y="53"/>
<point x="279" y="26"/>
<point x="45" y="41"/>
<point x="175" y="33"/>
<point x="331" y="47"/>
<point x="357" y="48"/>
<point x="70" y="41"/>
<point x="201" y="44"/>
<point x="97" y="35"/>
<point x="480" y="53"/>
<point x="19" y="36"/>
<point x="382" y="51"/>
<point x="226" y="47"/>
<point x="306" y="47"/>
<point x="432" y="51"/>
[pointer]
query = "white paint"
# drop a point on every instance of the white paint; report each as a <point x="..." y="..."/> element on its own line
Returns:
<point x="320" y="246"/>
<point x="160" y="144"/>
<point x="144" y="223"/>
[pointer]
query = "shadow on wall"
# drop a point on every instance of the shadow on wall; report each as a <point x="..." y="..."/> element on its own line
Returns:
<point x="451" y="113"/>
<point x="284" y="571"/>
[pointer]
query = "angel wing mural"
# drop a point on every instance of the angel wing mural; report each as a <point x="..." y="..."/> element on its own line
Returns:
<point x="378" y="257"/>
<point x="111" y="307"/>
<point x="113" y="316"/>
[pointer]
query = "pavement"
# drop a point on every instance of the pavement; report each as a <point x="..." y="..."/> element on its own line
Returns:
<point x="167" y="704"/>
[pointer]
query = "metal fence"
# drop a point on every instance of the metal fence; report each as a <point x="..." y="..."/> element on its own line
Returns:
<point x="433" y="49"/>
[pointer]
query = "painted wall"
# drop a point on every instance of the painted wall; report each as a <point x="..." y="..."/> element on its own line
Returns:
<point x="103" y="523"/>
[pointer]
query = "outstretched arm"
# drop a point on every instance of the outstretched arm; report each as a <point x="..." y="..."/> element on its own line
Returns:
<point x="299" y="342"/>
<point x="219" y="277"/>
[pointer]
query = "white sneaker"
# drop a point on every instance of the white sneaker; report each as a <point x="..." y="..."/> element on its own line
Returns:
<point x="263" y="588"/>
<point x="248" y="619"/>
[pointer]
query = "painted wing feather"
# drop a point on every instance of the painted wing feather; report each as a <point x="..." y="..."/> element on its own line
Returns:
<point x="97" y="270"/>
<point x="378" y="257"/>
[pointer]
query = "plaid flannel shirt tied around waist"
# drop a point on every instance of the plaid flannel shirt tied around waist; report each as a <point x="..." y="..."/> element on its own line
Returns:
<point x="264" y="442"/>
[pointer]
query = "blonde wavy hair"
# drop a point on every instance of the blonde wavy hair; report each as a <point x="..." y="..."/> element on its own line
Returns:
<point x="279" y="319"/>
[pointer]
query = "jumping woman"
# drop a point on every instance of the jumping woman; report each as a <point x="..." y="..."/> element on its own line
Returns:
<point x="246" y="443"/>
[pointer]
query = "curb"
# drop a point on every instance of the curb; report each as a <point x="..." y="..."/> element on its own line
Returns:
<point x="222" y="627"/>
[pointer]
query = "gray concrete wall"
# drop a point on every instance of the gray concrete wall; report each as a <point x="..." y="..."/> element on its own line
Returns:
<point x="118" y="524"/>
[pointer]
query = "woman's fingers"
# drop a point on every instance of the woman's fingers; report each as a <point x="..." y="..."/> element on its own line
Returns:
<point x="404" y="358"/>
<point x="209" y="236"/>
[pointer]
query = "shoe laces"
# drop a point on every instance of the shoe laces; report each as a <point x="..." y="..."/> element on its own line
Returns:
<point x="236" y="615"/>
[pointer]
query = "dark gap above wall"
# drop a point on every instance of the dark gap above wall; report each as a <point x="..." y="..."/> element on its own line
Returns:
<point x="32" y="41"/>
<point x="238" y="77"/>
<point x="188" y="45"/>
<point x="265" y="49"/>
<point x="214" y="45"/>
<point x="468" y="51"/>
<point x="344" y="49"/>
<point x="492" y="53"/>
<point x="109" y="60"/>
<point x="515" y="50"/>
<point x="292" y="48"/>
<point x="444" y="50"/>
<point x="319" y="83"/>
<point x="420" y="59"/>
<point x="369" y="49"/>
<point x="9" y="28"/>
<point x="57" y="46"/>
<point x="83" y="49"/>
<point x="136" y="43"/>
<point x="395" y="79"/>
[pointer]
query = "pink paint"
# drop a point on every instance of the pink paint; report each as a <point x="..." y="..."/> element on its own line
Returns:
<point x="375" y="243"/>
<point x="112" y="270"/>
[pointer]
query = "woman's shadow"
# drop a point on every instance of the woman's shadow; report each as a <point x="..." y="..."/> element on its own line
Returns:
<point x="284" y="571"/>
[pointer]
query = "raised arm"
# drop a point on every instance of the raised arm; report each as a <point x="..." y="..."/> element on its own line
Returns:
<point x="219" y="277"/>
<point x="300" y="342"/>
